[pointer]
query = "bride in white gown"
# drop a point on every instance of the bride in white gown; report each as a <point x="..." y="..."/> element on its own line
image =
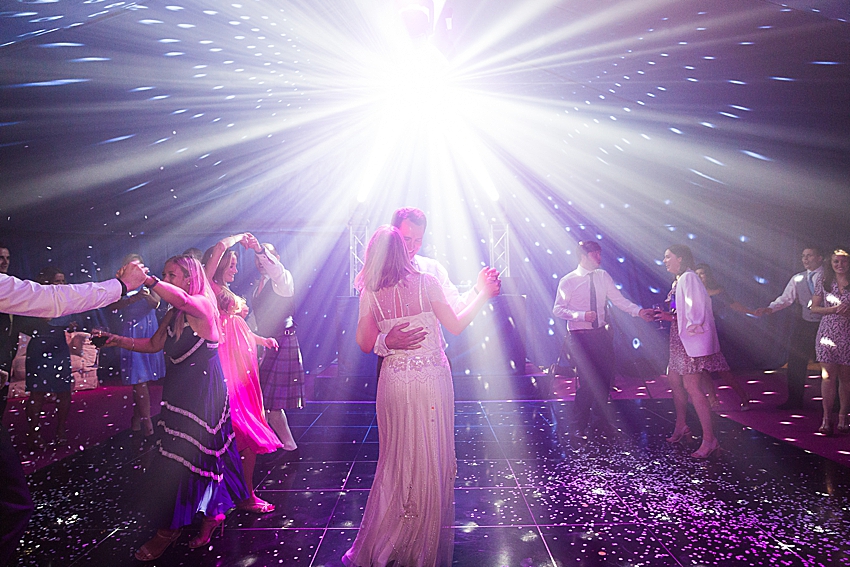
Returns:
<point x="410" y="510"/>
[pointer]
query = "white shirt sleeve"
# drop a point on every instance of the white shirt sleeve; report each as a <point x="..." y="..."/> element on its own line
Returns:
<point x="20" y="297"/>
<point x="788" y="297"/>
<point x="280" y="277"/>
<point x="562" y="300"/>
<point x="381" y="346"/>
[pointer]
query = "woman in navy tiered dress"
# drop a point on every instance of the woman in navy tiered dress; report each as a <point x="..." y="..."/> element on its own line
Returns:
<point x="197" y="468"/>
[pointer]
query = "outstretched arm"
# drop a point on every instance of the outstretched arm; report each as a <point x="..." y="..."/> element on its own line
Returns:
<point x="740" y="308"/>
<point x="19" y="297"/>
<point x="278" y="274"/>
<point x="153" y="344"/>
<point x="455" y="323"/>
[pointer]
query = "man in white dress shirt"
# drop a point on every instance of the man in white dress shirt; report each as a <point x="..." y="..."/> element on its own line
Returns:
<point x="20" y="297"/>
<point x="411" y="222"/>
<point x="282" y="369"/>
<point x="8" y="338"/>
<point x="804" y="331"/>
<point x="581" y="299"/>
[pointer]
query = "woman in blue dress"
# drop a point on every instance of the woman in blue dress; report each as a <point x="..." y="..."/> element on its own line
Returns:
<point x="138" y="316"/>
<point x="197" y="468"/>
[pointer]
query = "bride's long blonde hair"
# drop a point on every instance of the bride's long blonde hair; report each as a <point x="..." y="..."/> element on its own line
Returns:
<point x="387" y="261"/>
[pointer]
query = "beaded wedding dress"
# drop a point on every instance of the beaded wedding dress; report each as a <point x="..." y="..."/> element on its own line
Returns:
<point x="410" y="509"/>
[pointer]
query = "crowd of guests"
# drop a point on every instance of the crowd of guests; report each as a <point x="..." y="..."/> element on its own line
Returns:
<point x="696" y="309"/>
<point x="213" y="422"/>
<point x="227" y="383"/>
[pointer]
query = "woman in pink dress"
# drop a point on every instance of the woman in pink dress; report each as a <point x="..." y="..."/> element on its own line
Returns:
<point x="238" y="353"/>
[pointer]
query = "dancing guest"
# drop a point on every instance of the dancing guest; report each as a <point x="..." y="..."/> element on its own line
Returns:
<point x="238" y="354"/>
<point x="138" y="320"/>
<point x="410" y="509"/>
<point x="694" y="347"/>
<point x="282" y="370"/>
<point x="48" y="366"/>
<point x="721" y="304"/>
<point x="581" y="298"/>
<point x="799" y="291"/>
<point x="195" y="253"/>
<point x="197" y="468"/>
<point x="18" y="297"/>
<point x="833" y="339"/>
<point x="412" y="223"/>
<point x="8" y="338"/>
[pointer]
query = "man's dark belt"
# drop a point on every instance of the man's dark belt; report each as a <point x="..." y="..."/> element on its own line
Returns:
<point x="580" y="331"/>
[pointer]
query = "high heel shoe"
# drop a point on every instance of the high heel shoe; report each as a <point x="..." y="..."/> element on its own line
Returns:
<point x="679" y="435"/>
<point x="157" y="545"/>
<point x="255" y="506"/>
<point x="825" y="429"/>
<point x="746" y="405"/>
<point x="706" y="452"/>
<point x="208" y="527"/>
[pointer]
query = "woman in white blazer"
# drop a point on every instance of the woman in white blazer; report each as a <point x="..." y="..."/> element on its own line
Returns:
<point x="694" y="347"/>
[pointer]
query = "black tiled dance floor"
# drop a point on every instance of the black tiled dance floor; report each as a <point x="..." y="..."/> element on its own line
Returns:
<point x="526" y="496"/>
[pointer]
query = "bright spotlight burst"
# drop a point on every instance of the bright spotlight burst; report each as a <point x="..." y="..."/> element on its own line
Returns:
<point x="561" y="120"/>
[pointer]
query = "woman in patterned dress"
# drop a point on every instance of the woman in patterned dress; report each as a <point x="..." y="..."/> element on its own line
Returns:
<point x="410" y="509"/>
<point x="197" y="468"/>
<point x="832" y="345"/>
<point x="694" y="347"/>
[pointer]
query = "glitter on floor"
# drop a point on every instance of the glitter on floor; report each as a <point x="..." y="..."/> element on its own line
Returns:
<point x="527" y="495"/>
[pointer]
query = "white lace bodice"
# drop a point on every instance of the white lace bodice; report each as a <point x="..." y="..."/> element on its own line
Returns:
<point x="410" y="301"/>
